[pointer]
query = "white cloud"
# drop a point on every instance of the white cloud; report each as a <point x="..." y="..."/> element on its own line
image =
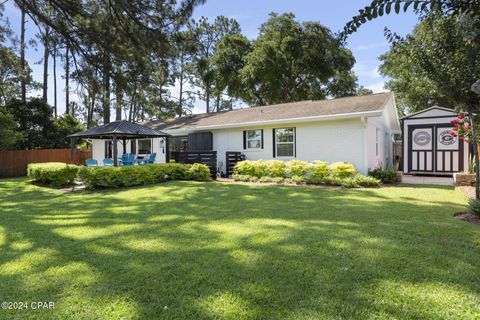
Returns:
<point x="371" y="46"/>
<point x="364" y="70"/>
<point x="377" y="87"/>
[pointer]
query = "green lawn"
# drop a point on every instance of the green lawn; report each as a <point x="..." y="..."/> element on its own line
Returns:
<point x="188" y="250"/>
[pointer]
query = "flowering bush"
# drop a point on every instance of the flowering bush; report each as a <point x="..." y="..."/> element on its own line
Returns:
<point x="462" y="128"/>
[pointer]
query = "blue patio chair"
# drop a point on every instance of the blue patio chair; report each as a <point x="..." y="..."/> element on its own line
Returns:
<point x="108" y="162"/>
<point x="91" y="163"/>
<point x="150" y="158"/>
<point x="128" y="159"/>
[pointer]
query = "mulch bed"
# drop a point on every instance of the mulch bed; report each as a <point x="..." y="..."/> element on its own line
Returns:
<point x="468" y="217"/>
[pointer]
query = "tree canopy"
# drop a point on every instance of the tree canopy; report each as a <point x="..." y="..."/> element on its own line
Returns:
<point x="378" y="8"/>
<point x="436" y="64"/>
<point x="292" y="61"/>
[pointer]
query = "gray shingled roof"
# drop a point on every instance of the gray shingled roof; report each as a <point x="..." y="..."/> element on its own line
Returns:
<point x="285" y="111"/>
<point x="122" y="128"/>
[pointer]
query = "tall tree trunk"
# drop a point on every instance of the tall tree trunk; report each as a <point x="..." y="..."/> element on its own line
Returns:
<point x="207" y="98"/>
<point x="118" y="94"/>
<point x="45" y="63"/>
<point x="218" y="98"/>
<point x="475" y="154"/>
<point x="131" y="112"/>
<point x="22" y="58"/>
<point x="55" y="79"/>
<point x="67" y="80"/>
<point x="180" y="96"/>
<point x="90" y="109"/>
<point x="106" y="91"/>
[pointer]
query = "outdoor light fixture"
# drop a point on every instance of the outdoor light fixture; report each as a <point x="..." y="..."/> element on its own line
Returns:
<point x="162" y="145"/>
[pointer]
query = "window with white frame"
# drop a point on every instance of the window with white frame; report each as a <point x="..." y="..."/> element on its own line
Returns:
<point x="254" y="139"/>
<point x="144" y="146"/>
<point x="285" y="142"/>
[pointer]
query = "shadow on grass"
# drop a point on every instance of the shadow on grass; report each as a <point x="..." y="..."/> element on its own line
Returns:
<point x="210" y="250"/>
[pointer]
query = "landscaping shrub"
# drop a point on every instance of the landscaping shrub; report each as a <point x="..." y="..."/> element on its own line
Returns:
<point x="244" y="178"/>
<point x="298" y="179"/>
<point x="319" y="170"/>
<point x="342" y="170"/>
<point x="128" y="176"/>
<point x="199" y="172"/>
<point x="388" y="175"/>
<point x="296" y="171"/>
<point x="271" y="179"/>
<point x="56" y="174"/>
<point x="276" y="168"/>
<point x="298" y="168"/>
<point x="474" y="206"/>
<point x="246" y="167"/>
<point x="363" y="181"/>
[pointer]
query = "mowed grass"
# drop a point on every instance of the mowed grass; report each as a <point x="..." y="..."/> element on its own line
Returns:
<point x="187" y="250"/>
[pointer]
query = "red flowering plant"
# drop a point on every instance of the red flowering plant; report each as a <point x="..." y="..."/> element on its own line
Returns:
<point x="462" y="128"/>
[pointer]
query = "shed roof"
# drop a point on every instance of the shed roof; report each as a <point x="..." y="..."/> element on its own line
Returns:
<point x="121" y="129"/>
<point x="285" y="111"/>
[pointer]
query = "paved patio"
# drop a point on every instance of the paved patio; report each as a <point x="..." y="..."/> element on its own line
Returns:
<point x="444" y="181"/>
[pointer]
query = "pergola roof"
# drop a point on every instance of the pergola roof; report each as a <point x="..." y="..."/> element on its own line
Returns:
<point x="122" y="129"/>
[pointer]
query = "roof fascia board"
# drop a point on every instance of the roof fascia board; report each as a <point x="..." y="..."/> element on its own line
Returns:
<point x="288" y="120"/>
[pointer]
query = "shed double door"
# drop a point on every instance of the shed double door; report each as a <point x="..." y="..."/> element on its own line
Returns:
<point x="432" y="149"/>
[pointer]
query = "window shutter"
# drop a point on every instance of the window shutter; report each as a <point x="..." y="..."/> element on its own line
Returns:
<point x="273" y="141"/>
<point x="244" y="140"/>
<point x="106" y="149"/>
<point x="261" y="130"/>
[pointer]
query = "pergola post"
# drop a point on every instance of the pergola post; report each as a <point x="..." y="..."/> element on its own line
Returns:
<point x="167" y="150"/>
<point x="72" y="149"/>
<point x="115" y="151"/>
<point x="124" y="144"/>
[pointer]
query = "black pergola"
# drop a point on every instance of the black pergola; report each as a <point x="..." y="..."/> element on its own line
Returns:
<point x="119" y="130"/>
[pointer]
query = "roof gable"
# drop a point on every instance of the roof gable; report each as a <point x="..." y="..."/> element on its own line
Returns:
<point x="432" y="112"/>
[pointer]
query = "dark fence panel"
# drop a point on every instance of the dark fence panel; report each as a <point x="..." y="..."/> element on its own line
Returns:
<point x="13" y="163"/>
<point x="232" y="158"/>
<point x="208" y="158"/>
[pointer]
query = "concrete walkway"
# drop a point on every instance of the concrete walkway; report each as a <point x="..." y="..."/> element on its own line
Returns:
<point x="444" y="181"/>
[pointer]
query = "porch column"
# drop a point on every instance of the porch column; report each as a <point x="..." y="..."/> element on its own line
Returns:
<point x="167" y="150"/>
<point x="124" y="145"/>
<point x="115" y="150"/>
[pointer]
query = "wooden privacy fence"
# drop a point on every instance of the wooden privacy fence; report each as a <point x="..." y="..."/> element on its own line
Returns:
<point x="232" y="158"/>
<point x="13" y="163"/>
<point x="208" y="158"/>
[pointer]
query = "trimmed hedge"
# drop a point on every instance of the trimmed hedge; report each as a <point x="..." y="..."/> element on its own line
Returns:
<point x="297" y="171"/>
<point x="129" y="176"/>
<point x="56" y="174"/>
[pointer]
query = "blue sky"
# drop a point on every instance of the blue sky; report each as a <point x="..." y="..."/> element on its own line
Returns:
<point x="367" y="44"/>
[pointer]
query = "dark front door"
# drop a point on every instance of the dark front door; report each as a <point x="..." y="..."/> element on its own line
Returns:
<point x="433" y="149"/>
